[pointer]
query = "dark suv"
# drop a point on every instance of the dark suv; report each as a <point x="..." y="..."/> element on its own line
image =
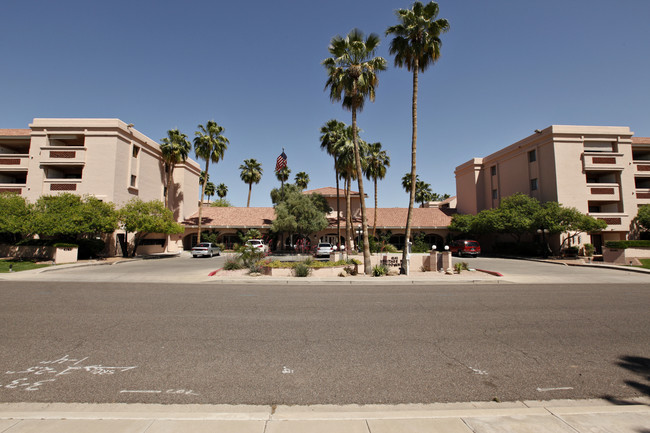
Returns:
<point x="465" y="246"/>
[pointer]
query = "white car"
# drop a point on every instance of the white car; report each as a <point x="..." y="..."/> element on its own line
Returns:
<point x="258" y="244"/>
<point x="206" y="249"/>
<point x="324" y="249"/>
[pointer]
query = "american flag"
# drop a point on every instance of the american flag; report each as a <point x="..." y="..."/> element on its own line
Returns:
<point x="281" y="162"/>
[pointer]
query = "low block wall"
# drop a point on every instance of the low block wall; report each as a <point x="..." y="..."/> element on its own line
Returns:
<point x="315" y="272"/>
<point x="625" y="256"/>
<point x="27" y="252"/>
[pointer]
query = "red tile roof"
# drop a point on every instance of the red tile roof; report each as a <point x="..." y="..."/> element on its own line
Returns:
<point x="640" y="140"/>
<point x="262" y="217"/>
<point x="15" y="132"/>
<point x="233" y="217"/>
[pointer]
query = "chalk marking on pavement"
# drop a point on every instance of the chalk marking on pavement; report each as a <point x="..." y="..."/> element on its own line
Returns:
<point x="561" y="388"/>
<point x="477" y="371"/>
<point x="286" y="370"/>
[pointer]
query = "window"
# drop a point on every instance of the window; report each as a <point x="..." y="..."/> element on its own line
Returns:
<point x="533" y="184"/>
<point x="133" y="181"/>
<point x="495" y="194"/>
<point x="532" y="156"/>
<point x="136" y="150"/>
<point x="493" y="170"/>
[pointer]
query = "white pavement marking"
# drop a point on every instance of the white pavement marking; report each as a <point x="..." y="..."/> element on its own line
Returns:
<point x="562" y="388"/>
<point x="135" y="391"/>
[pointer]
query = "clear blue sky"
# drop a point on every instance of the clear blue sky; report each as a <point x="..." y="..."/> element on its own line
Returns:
<point x="507" y="68"/>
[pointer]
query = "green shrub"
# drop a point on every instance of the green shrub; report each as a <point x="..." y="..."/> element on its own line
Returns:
<point x="256" y="268"/>
<point x="390" y="248"/>
<point x="351" y="270"/>
<point x="627" y="244"/>
<point x="589" y="250"/>
<point x="232" y="263"/>
<point x="460" y="266"/>
<point x="250" y="255"/>
<point x="379" y="270"/>
<point x="301" y="270"/>
<point x="64" y="245"/>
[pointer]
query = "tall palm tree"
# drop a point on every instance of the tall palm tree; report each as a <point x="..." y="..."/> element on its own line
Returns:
<point x="283" y="174"/>
<point x="423" y="192"/>
<point x="331" y="139"/>
<point x="209" y="145"/>
<point x="406" y="182"/>
<point x="416" y="45"/>
<point x="209" y="190"/>
<point x="174" y="148"/>
<point x="302" y="180"/>
<point x="251" y="172"/>
<point x="222" y="190"/>
<point x="352" y="77"/>
<point x="203" y="177"/>
<point x="377" y="160"/>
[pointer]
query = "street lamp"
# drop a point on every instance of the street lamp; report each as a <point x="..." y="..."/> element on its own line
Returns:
<point x="359" y="230"/>
<point x="544" y="232"/>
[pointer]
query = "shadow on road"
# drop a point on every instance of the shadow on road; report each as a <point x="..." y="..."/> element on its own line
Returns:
<point x="641" y="366"/>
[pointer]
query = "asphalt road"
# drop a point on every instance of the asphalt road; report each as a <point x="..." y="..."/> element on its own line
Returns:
<point x="201" y="343"/>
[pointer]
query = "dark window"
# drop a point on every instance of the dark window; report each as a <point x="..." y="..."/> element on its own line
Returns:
<point x="533" y="184"/>
<point x="532" y="156"/>
<point x="136" y="150"/>
<point x="133" y="179"/>
<point x="494" y="194"/>
<point x="493" y="170"/>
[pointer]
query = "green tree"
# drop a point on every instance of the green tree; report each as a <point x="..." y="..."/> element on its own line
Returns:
<point x="221" y="202"/>
<point x="462" y="223"/>
<point x="209" y="145"/>
<point x="210" y="189"/>
<point x="297" y="213"/>
<point x="416" y="45"/>
<point x="377" y="161"/>
<point x="69" y="217"/>
<point x="333" y="136"/>
<point x="352" y="78"/>
<point x="302" y="180"/>
<point x="423" y="192"/>
<point x="146" y="217"/>
<point x="203" y="177"/>
<point x="251" y="172"/>
<point x="643" y="217"/>
<point x="175" y="148"/>
<point x="15" y="214"/>
<point x="222" y="190"/>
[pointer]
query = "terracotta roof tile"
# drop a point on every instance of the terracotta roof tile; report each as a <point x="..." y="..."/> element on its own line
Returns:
<point x="238" y="217"/>
<point x="15" y="132"/>
<point x="328" y="191"/>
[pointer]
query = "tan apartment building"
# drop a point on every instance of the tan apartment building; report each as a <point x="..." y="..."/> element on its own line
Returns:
<point x="105" y="158"/>
<point x="603" y="171"/>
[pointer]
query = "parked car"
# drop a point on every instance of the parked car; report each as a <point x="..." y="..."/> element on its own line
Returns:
<point x="206" y="249"/>
<point x="258" y="244"/>
<point x="465" y="246"/>
<point x="323" y="249"/>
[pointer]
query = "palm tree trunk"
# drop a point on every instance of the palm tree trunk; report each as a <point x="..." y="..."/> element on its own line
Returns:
<point x="374" y="222"/>
<point x="338" y="210"/>
<point x="250" y="188"/>
<point x="348" y="216"/>
<point x="205" y="181"/>
<point x="414" y="139"/>
<point x="367" y="267"/>
<point x="169" y="187"/>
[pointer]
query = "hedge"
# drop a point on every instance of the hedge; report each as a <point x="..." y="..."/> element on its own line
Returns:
<point x="627" y="244"/>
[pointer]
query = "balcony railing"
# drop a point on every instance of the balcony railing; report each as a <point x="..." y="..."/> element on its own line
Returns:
<point x="14" y="161"/>
<point x="61" y="185"/>
<point x="63" y="155"/>
<point x="16" y="188"/>
<point x="642" y="168"/>
<point x="602" y="161"/>
<point x="604" y="192"/>
<point x="615" y="221"/>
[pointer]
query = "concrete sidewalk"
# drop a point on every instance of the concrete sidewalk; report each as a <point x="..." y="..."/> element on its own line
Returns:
<point x="561" y="416"/>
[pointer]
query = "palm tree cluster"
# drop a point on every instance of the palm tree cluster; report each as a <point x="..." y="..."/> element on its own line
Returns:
<point x="352" y="78"/>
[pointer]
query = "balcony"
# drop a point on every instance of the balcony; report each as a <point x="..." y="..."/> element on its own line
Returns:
<point x="14" y="162"/>
<point x="602" y="161"/>
<point x="604" y="192"/>
<point x="63" y="155"/>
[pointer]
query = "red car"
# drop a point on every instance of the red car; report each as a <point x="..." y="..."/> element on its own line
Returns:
<point x="465" y="246"/>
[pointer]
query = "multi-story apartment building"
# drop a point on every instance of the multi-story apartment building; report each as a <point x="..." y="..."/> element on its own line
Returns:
<point x="602" y="171"/>
<point x="105" y="158"/>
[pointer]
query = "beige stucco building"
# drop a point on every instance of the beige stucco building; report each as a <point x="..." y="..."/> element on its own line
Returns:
<point x="105" y="158"/>
<point x="603" y="171"/>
